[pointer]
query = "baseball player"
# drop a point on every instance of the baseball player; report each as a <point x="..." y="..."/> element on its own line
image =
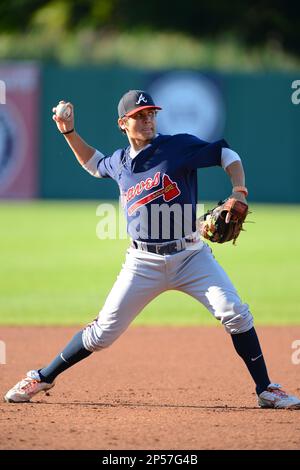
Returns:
<point x="157" y="178"/>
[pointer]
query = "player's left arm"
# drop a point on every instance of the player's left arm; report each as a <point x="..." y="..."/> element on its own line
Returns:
<point x="236" y="173"/>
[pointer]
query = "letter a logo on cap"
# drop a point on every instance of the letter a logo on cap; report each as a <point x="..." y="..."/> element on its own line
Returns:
<point x="141" y="98"/>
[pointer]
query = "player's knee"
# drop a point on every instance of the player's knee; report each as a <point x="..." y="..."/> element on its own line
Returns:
<point x="238" y="320"/>
<point x="95" y="338"/>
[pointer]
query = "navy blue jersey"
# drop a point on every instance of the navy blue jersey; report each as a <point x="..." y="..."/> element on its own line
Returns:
<point x="158" y="187"/>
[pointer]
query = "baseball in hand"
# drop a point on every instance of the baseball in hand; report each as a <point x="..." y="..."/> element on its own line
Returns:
<point x="63" y="111"/>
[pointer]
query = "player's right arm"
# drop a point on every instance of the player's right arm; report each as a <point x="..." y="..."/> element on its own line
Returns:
<point x="86" y="155"/>
<point x="82" y="151"/>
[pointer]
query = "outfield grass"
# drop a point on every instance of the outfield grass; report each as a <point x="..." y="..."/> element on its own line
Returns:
<point x="54" y="270"/>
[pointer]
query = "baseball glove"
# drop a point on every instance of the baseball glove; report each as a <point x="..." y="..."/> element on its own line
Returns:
<point x="214" y="224"/>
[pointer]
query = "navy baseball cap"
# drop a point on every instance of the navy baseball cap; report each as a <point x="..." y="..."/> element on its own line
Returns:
<point x="134" y="101"/>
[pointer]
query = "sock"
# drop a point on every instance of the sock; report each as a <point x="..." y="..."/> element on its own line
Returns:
<point x="73" y="353"/>
<point x="248" y="347"/>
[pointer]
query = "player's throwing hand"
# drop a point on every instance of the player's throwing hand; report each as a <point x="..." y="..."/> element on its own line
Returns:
<point x="64" y="117"/>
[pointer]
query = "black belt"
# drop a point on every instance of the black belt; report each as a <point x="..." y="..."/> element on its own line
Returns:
<point x="164" y="248"/>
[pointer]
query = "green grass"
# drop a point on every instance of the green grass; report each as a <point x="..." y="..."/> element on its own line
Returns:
<point x="54" y="270"/>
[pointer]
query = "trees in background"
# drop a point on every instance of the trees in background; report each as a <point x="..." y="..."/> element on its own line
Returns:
<point x="254" y="22"/>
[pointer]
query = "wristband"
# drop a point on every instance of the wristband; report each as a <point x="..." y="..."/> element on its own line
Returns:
<point x="68" y="132"/>
<point x="240" y="189"/>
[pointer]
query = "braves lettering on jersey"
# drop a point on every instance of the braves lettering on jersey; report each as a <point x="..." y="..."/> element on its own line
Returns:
<point x="165" y="172"/>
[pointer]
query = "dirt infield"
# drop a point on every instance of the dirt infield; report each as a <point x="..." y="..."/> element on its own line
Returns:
<point x="155" y="388"/>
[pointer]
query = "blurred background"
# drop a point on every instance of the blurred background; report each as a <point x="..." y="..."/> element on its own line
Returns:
<point x="218" y="70"/>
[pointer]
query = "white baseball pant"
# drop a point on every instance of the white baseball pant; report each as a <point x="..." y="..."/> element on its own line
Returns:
<point x="145" y="275"/>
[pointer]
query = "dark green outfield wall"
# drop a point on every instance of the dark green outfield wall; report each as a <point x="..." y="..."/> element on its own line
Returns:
<point x="262" y="125"/>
